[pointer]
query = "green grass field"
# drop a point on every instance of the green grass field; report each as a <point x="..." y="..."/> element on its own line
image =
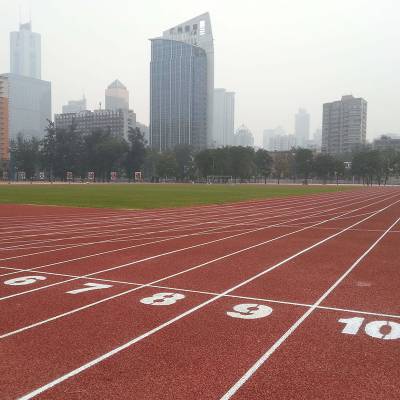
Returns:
<point x="144" y="196"/>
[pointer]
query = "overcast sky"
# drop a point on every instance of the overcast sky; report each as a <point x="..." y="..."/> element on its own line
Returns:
<point x="276" y="55"/>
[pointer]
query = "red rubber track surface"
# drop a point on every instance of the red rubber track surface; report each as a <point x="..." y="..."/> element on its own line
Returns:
<point x="271" y="299"/>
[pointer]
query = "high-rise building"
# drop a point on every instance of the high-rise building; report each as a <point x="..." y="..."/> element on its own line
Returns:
<point x="244" y="137"/>
<point x="88" y="121"/>
<point x="29" y="105"/>
<point x="29" y="97"/>
<point x="4" y="131"/>
<point x="302" y="127"/>
<point x="224" y="118"/>
<point x="344" y="125"/>
<point x="117" y="96"/>
<point x="25" y="52"/>
<point x="182" y="85"/>
<point x="74" y="106"/>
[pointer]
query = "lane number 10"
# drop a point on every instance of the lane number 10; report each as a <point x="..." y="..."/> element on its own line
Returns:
<point x="386" y="330"/>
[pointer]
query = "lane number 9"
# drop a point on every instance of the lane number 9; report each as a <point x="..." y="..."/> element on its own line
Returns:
<point x="250" y="311"/>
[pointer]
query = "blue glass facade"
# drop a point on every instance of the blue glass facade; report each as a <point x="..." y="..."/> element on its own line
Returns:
<point x="178" y="95"/>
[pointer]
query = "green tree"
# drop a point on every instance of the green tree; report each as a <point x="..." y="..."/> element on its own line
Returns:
<point x="150" y="164"/>
<point x="281" y="165"/>
<point x="263" y="162"/>
<point x="242" y="161"/>
<point x="104" y="153"/>
<point x="184" y="157"/>
<point x="303" y="159"/>
<point x="205" y="162"/>
<point x="49" y="150"/>
<point x="324" y="166"/>
<point x="69" y="152"/>
<point x="25" y="155"/>
<point x="167" y="167"/>
<point x="136" y="154"/>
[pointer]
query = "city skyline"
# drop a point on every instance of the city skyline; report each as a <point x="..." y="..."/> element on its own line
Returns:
<point x="293" y="69"/>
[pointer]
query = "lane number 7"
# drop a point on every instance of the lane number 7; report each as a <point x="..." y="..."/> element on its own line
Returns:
<point x="90" y="286"/>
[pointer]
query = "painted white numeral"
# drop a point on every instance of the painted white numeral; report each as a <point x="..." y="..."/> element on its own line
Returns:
<point x="162" y="299"/>
<point x="24" y="280"/>
<point x="250" y="311"/>
<point x="90" y="286"/>
<point x="353" y="325"/>
<point x="386" y="330"/>
<point x="375" y="329"/>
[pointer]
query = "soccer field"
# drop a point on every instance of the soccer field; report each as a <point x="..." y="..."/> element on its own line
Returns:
<point x="144" y="196"/>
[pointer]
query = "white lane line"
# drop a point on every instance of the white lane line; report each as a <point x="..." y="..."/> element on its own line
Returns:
<point x="251" y="212"/>
<point x="205" y="292"/>
<point x="137" y="339"/>
<point x="293" y="328"/>
<point x="157" y="281"/>
<point x="269" y="210"/>
<point x="235" y="217"/>
<point x="205" y="232"/>
<point x="192" y="247"/>
<point x="143" y="217"/>
<point x="151" y="283"/>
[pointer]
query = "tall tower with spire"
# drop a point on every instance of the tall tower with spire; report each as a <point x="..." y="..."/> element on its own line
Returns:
<point x="25" y="52"/>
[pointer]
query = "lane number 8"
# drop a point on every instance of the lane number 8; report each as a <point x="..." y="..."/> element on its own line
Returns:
<point x="162" y="299"/>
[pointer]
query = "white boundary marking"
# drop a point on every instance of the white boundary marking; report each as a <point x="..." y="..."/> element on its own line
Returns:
<point x="188" y="227"/>
<point x="196" y="246"/>
<point x="202" y="305"/>
<point x="283" y="338"/>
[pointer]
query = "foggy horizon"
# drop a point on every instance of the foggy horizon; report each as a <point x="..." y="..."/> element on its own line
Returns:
<point x="277" y="58"/>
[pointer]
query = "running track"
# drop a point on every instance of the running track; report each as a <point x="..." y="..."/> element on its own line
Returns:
<point x="293" y="298"/>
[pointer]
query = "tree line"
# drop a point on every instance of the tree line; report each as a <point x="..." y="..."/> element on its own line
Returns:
<point x="63" y="151"/>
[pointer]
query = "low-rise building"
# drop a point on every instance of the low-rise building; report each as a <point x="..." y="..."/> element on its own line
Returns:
<point x="88" y="121"/>
<point x="387" y="142"/>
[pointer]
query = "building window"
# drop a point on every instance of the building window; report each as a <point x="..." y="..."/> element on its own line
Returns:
<point x="202" y="27"/>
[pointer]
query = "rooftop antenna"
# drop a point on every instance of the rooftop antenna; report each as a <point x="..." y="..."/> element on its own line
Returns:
<point x="100" y="104"/>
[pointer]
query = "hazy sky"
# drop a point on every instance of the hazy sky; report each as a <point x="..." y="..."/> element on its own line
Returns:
<point x="277" y="55"/>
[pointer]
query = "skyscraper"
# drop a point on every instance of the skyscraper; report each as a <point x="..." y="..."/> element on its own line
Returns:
<point x="344" y="124"/>
<point x="302" y="127"/>
<point x="117" y="96"/>
<point x="224" y="118"/>
<point x="29" y="105"/>
<point x="29" y="97"/>
<point x="4" y="131"/>
<point x="25" y="52"/>
<point x="182" y="85"/>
